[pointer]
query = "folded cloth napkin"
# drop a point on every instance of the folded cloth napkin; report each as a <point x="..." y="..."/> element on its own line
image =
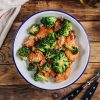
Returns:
<point x="9" y="9"/>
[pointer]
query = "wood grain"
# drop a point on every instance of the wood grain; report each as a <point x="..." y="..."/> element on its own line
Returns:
<point x="14" y="87"/>
<point x="72" y="7"/>
<point x="93" y="29"/>
<point x="32" y="93"/>
<point x="10" y="76"/>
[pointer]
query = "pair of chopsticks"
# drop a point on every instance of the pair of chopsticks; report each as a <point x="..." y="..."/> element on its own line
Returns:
<point x="93" y="83"/>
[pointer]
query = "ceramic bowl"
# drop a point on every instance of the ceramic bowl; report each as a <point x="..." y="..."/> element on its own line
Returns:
<point x="79" y="65"/>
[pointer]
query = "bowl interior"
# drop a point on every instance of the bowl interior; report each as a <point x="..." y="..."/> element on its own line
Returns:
<point x="78" y="66"/>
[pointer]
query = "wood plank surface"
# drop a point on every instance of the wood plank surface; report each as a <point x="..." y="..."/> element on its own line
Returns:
<point x="14" y="87"/>
<point x="72" y="7"/>
<point x="32" y="93"/>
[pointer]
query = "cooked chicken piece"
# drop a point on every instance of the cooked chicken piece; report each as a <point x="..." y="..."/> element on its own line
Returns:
<point x="71" y="56"/>
<point x="42" y="62"/>
<point x="34" y="48"/>
<point x="37" y="56"/>
<point x="52" y="72"/>
<point x="61" y="18"/>
<point x="41" y="25"/>
<point x="46" y="74"/>
<point x="33" y="57"/>
<point x="58" y="25"/>
<point x="44" y="31"/>
<point x="30" y="41"/>
<point x="60" y="42"/>
<point x="63" y="76"/>
<point x="70" y="40"/>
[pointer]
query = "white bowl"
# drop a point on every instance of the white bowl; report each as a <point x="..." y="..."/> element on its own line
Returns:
<point x="79" y="66"/>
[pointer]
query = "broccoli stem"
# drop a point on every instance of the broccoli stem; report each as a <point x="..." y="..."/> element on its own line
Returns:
<point x="74" y="50"/>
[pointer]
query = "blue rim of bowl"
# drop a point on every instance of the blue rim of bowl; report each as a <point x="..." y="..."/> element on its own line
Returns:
<point x="19" y="29"/>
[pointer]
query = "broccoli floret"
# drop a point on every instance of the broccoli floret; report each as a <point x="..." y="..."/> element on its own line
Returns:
<point x="40" y="44"/>
<point x="43" y="45"/>
<point x="23" y="53"/>
<point x="48" y="21"/>
<point x="38" y="76"/>
<point x="51" y="39"/>
<point x="66" y="27"/>
<point x="33" y="65"/>
<point x="64" y="31"/>
<point x="47" y="42"/>
<point x="46" y="67"/>
<point x="67" y="24"/>
<point x="34" y="29"/>
<point x="62" y="48"/>
<point x="50" y="54"/>
<point x="74" y="50"/>
<point x="52" y="36"/>
<point x="60" y="62"/>
<point x="42" y="77"/>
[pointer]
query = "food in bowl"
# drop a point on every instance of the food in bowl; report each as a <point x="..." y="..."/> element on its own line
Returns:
<point x="50" y="49"/>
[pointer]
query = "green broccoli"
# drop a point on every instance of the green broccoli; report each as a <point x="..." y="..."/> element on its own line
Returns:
<point x="46" y="67"/>
<point x="38" y="76"/>
<point x="42" y="77"/>
<point x="34" y="29"/>
<point x="66" y="27"/>
<point x="43" y="45"/>
<point x="33" y="65"/>
<point x="23" y="52"/>
<point x="62" y="48"/>
<point x="60" y="62"/>
<point x="67" y="24"/>
<point x="50" y="54"/>
<point x="74" y="50"/>
<point x="52" y="36"/>
<point x="51" y="39"/>
<point x="47" y="42"/>
<point x="64" y="31"/>
<point x="48" y="21"/>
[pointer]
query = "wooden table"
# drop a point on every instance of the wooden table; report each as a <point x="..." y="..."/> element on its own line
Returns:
<point x="12" y="85"/>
